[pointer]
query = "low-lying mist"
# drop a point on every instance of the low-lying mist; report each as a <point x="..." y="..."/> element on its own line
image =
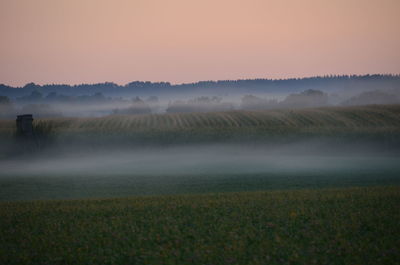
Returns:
<point x="308" y="156"/>
<point x="98" y="105"/>
<point x="83" y="173"/>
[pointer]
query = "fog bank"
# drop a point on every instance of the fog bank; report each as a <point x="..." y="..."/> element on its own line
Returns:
<point x="303" y="157"/>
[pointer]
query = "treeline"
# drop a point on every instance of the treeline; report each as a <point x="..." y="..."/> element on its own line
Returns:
<point x="54" y="97"/>
<point x="330" y="82"/>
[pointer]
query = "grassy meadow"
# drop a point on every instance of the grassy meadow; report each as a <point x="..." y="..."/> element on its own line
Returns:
<point x="319" y="226"/>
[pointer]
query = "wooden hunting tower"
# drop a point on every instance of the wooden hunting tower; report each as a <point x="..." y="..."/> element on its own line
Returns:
<point x="24" y="125"/>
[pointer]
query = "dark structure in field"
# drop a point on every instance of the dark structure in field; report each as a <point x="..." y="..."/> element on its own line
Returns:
<point x="24" y="125"/>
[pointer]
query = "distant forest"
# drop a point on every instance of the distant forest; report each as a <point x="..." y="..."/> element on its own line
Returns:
<point x="206" y="96"/>
<point x="140" y="88"/>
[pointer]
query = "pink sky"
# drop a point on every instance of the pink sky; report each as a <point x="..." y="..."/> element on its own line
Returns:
<point x="90" y="41"/>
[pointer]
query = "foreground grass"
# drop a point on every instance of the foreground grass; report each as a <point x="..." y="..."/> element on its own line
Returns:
<point x="16" y="188"/>
<point x="326" y="226"/>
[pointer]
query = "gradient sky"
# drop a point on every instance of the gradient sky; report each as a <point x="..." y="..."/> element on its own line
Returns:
<point x="90" y="41"/>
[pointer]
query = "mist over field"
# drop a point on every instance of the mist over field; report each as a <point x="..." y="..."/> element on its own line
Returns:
<point x="96" y="100"/>
<point x="236" y="142"/>
<point x="304" y="157"/>
<point x="58" y="173"/>
<point x="199" y="132"/>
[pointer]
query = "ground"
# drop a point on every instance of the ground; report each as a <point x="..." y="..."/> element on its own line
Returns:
<point x="318" y="226"/>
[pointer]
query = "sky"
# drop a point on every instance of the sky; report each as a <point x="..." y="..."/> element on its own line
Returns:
<point x="91" y="41"/>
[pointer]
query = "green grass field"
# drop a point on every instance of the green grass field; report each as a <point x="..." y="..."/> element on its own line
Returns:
<point x="320" y="226"/>
<point x="17" y="188"/>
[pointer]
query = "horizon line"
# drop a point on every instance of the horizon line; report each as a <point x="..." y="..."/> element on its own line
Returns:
<point x="218" y="80"/>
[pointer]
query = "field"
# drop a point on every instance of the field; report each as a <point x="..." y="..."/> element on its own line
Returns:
<point x="363" y="121"/>
<point x="327" y="226"/>
<point x="227" y="151"/>
<point x="311" y="186"/>
<point x="93" y="184"/>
